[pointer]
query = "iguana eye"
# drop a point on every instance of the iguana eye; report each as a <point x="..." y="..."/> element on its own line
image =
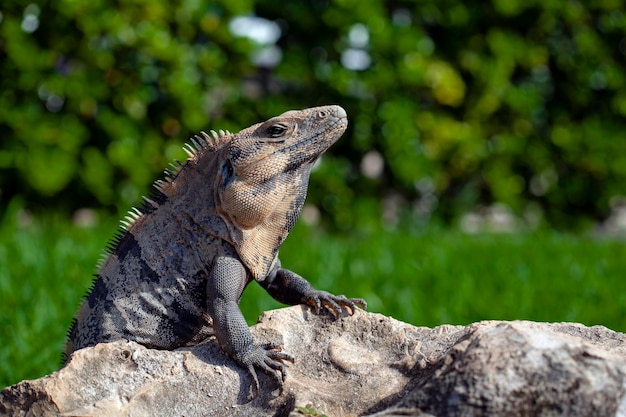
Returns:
<point x="277" y="130"/>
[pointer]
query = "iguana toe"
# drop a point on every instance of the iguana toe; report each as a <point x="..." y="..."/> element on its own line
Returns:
<point x="270" y="360"/>
<point x="335" y="304"/>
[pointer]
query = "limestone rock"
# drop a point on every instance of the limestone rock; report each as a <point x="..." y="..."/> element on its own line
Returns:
<point x="366" y="364"/>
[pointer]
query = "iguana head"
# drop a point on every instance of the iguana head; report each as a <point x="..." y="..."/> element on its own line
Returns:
<point x="263" y="174"/>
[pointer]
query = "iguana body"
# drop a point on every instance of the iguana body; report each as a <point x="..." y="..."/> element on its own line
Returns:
<point x="178" y="268"/>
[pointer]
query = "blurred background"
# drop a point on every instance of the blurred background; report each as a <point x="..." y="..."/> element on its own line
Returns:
<point x="482" y="175"/>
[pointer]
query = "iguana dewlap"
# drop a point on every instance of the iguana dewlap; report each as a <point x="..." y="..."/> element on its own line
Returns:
<point x="183" y="259"/>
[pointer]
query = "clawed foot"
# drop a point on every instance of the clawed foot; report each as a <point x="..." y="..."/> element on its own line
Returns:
<point x="336" y="304"/>
<point x="269" y="359"/>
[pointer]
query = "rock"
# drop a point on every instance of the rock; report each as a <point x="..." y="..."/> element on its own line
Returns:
<point x="366" y="364"/>
<point x="524" y="369"/>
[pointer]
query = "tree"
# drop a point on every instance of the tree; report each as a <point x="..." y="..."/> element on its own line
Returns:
<point x="452" y="104"/>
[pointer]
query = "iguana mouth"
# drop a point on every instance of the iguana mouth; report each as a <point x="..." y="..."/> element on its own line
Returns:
<point x="333" y="129"/>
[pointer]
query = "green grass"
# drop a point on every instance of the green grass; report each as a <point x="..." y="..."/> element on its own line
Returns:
<point x="427" y="278"/>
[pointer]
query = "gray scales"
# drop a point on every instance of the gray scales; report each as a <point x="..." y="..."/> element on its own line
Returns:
<point x="175" y="273"/>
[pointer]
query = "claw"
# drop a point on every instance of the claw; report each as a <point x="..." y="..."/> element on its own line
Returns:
<point x="333" y="307"/>
<point x="269" y="359"/>
<point x="256" y="388"/>
<point x="335" y="304"/>
<point x="353" y="303"/>
<point x="359" y="302"/>
<point x="317" y="305"/>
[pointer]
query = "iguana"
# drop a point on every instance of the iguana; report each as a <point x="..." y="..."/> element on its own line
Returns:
<point x="175" y="272"/>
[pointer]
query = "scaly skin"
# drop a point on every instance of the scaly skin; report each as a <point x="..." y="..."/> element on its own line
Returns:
<point x="175" y="273"/>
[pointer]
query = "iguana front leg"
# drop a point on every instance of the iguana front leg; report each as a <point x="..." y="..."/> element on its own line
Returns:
<point x="226" y="282"/>
<point x="290" y="288"/>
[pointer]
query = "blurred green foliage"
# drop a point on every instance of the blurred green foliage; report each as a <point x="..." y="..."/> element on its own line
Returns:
<point x="467" y="103"/>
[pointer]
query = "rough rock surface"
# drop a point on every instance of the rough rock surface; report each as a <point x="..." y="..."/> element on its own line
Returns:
<point x="366" y="364"/>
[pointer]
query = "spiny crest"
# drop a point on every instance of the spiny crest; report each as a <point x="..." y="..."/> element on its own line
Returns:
<point x="114" y="242"/>
<point x="204" y="142"/>
<point x="200" y="144"/>
<point x="70" y="330"/>
<point x="133" y="215"/>
<point x="104" y="257"/>
<point x="110" y="248"/>
<point x="126" y="223"/>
